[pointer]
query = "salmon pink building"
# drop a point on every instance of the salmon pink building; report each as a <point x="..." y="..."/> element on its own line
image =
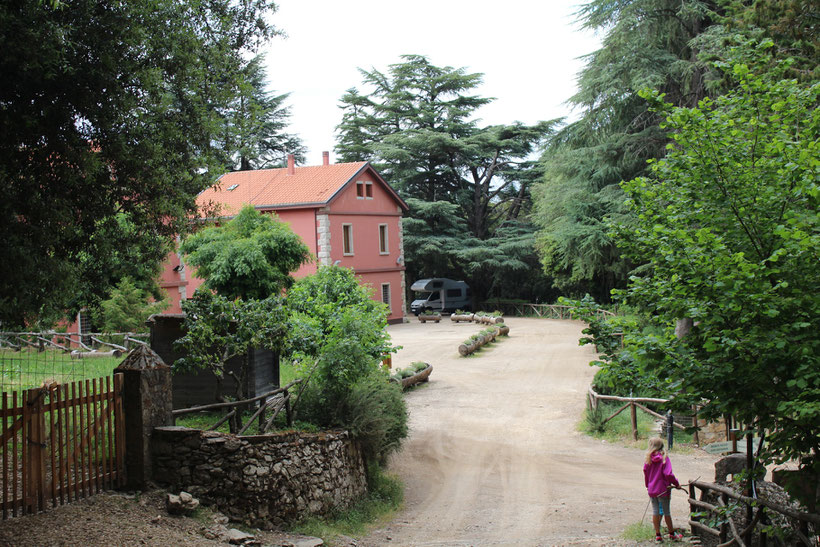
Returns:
<point x="345" y="213"/>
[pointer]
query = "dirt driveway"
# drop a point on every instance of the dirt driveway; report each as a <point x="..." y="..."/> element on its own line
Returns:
<point x="494" y="458"/>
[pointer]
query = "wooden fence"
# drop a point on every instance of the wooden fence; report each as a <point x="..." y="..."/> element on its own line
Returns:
<point x="61" y="443"/>
<point x="549" y="311"/>
<point x="634" y="403"/>
<point x="275" y="400"/>
<point x="714" y="500"/>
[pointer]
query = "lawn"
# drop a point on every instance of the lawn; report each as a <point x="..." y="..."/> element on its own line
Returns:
<point x="30" y="368"/>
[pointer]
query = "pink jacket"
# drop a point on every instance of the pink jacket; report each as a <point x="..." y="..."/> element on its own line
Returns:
<point x="658" y="475"/>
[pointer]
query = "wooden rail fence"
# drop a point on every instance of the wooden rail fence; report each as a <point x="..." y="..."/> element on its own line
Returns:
<point x="714" y="500"/>
<point x="550" y="311"/>
<point x="634" y="403"/>
<point x="61" y="443"/>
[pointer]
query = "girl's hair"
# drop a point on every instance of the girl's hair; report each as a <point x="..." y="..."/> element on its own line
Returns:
<point x="655" y="445"/>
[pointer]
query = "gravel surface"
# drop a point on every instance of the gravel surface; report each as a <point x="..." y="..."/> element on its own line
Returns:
<point x="113" y="518"/>
<point x="493" y="459"/>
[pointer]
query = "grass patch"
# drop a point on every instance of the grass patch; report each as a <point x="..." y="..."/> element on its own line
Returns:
<point x="29" y="368"/>
<point x="619" y="429"/>
<point x="639" y="531"/>
<point x="384" y="497"/>
<point x="287" y="373"/>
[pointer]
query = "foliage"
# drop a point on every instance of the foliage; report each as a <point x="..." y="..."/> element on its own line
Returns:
<point x="419" y="365"/>
<point x="127" y="309"/>
<point x="628" y="348"/>
<point x="646" y="43"/>
<point x="217" y="330"/>
<point x="729" y="223"/>
<point x="255" y="124"/>
<point x="333" y="322"/>
<point x="376" y="415"/>
<point x="251" y="256"/>
<point x="467" y="186"/>
<point x="109" y="118"/>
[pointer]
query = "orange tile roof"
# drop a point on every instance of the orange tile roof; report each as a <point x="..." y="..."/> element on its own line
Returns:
<point x="311" y="185"/>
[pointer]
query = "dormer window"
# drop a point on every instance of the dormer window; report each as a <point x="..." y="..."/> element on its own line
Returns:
<point x="232" y="187"/>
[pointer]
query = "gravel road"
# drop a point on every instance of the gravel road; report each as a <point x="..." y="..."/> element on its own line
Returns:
<point x="494" y="457"/>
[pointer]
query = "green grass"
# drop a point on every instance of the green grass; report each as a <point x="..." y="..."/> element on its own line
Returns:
<point x="29" y="368"/>
<point x="639" y="531"/>
<point x="385" y="496"/>
<point x="619" y="428"/>
<point x="287" y="373"/>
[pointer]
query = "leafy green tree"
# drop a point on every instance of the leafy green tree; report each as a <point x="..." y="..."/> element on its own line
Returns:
<point x="417" y="125"/>
<point x="337" y="337"/>
<point x="108" y="110"/>
<point x="127" y="308"/>
<point x="218" y="329"/>
<point x="251" y="257"/>
<point x="647" y="43"/>
<point x="256" y="123"/>
<point x="334" y="322"/>
<point x="728" y="224"/>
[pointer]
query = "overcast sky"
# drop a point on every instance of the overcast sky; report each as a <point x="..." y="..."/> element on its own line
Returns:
<point x="527" y="50"/>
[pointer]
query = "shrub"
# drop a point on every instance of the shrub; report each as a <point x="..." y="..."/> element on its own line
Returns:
<point x="376" y="415"/>
<point x="418" y="366"/>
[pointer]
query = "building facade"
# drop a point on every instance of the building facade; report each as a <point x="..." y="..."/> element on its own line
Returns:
<point x="345" y="213"/>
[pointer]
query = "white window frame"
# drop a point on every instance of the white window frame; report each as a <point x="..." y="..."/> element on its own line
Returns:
<point x="386" y="286"/>
<point x="347" y="227"/>
<point x="368" y="188"/>
<point x="386" y="240"/>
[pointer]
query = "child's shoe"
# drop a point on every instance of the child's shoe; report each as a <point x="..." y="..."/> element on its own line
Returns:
<point x="674" y="536"/>
<point x="659" y="538"/>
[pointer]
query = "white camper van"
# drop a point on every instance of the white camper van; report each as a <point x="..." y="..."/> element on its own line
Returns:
<point x="442" y="295"/>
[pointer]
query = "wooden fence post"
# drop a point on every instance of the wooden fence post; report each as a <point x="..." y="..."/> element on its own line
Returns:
<point x="35" y="462"/>
<point x="634" y="420"/>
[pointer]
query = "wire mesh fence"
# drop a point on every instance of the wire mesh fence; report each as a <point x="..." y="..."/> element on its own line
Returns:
<point x="33" y="359"/>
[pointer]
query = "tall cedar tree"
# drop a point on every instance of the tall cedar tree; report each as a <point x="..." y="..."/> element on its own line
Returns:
<point x="256" y="123"/>
<point x="659" y="44"/>
<point x="417" y="125"/>
<point x="647" y="44"/>
<point x="110" y="121"/>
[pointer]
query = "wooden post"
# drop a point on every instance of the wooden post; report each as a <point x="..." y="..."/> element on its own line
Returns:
<point x="724" y="527"/>
<point x="634" y="421"/>
<point x="35" y="461"/>
<point x="695" y="424"/>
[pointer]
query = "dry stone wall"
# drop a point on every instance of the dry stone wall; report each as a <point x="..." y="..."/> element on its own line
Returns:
<point x="263" y="480"/>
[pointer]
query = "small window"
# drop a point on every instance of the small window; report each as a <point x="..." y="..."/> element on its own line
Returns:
<point x="386" y="293"/>
<point x="437" y="284"/>
<point x="383" y="249"/>
<point x="453" y="293"/>
<point x="232" y="187"/>
<point x="368" y="190"/>
<point x="347" y="236"/>
<point x="360" y="189"/>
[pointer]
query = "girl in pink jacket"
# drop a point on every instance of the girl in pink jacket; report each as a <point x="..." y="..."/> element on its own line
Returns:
<point x="659" y="479"/>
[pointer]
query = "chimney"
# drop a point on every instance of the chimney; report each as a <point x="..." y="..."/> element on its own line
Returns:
<point x="291" y="165"/>
<point x="325" y="158"/>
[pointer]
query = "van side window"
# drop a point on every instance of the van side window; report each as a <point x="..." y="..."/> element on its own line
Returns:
<point x="453" y="293"/>
<point x="437" y="284"/>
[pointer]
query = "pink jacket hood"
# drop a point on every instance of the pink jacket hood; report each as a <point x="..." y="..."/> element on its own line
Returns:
<point x="658" y="475"/>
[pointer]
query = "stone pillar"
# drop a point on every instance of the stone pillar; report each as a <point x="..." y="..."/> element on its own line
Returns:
<point x="147" y="404"/>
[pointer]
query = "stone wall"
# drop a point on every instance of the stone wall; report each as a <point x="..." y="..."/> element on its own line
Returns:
<point x="262" y="480"/>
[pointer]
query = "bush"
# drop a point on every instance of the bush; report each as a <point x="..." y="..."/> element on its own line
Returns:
<point x="418" y="366"/>
<point x="376" y="415"/>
